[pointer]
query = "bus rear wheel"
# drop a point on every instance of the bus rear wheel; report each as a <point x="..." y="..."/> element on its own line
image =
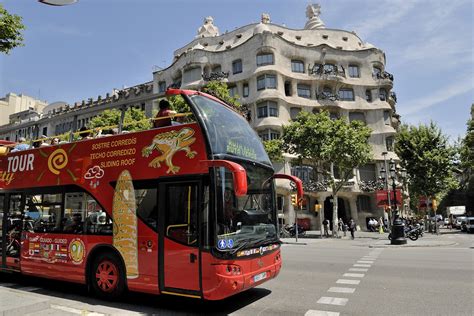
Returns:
<point x="107" y="276"/>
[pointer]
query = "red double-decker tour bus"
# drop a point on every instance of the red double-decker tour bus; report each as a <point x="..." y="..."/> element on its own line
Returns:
<point x="188" y="209"/>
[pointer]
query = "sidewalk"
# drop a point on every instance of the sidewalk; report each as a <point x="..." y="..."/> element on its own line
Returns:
<point x="379" y="240"/>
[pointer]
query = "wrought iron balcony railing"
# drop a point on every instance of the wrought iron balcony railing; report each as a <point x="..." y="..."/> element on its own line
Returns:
<point x="215" y="76"/>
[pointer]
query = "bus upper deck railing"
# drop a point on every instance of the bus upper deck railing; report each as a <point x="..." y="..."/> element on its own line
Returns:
<point x="72" y="136"/>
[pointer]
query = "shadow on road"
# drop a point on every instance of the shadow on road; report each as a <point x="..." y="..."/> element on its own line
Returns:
<point x="138" y="302"/>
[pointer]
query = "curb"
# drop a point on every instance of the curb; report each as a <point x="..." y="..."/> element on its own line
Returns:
<point x="413" y="245"/>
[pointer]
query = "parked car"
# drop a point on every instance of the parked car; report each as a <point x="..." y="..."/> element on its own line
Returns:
<point x="470" y="224"/>
<point x="446" y="221"/>
<point x="459" y="221"/>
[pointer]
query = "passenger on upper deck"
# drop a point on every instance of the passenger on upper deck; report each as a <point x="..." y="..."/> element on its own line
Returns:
<point x="84" y="133"/>
<point x="164" y="114"/>
<point x="22" y="145"/>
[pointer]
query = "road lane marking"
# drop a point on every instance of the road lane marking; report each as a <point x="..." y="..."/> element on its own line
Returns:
<point x="362" y="265"/>
<point x="336" y="289"/>
<point x="333" y="301"/>
<point x="359" y="269"/>
<point x="368" y="258"/>
<point x="7" y="284"/>
<point x="346" y="281"/>
<point x="75" y="310"/>
<point x="354" y="275"/>
<point x="364" y="261"/>
<point x="313" y="312"/>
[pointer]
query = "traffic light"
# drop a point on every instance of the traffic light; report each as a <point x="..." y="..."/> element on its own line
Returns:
<point x="317" y="208"/>
<point x="294" y="199"/>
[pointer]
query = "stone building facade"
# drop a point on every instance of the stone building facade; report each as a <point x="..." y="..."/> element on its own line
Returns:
<point x="276" y="72"/>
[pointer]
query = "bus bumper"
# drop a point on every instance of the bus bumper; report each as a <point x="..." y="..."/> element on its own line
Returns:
<point x="236" y="276"/>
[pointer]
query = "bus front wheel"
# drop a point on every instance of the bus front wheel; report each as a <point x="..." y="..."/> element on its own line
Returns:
<point x="107" y="276"/>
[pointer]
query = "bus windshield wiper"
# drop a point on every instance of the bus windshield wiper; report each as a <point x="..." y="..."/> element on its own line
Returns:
<point x="247" y="242"/>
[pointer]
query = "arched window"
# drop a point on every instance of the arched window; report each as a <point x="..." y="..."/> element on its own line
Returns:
<point x="297" y="66"/>
<point x="264" y="59"/>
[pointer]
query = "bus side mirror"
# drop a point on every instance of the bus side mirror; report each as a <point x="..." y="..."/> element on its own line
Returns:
<point x="297" y="181"/>
<point x="238" y="172"/>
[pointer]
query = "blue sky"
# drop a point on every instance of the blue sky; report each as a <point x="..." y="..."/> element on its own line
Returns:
<point x="83" y="50"/>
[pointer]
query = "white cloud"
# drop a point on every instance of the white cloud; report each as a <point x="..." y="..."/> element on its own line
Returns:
<point x="459" y="87"/>
<point x="383" y="14"/>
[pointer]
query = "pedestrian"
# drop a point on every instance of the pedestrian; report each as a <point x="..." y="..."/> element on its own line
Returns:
<point x="344" y="228"/>
<point x="380" y="225"/>
<point x="326" y="227"/>
<point x="339" y="225"/>
<point x="352" y="227"/>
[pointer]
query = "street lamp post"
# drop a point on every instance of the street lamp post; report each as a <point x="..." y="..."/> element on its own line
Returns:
<point x="398" y="228"/>
<point x="387" y="187"/>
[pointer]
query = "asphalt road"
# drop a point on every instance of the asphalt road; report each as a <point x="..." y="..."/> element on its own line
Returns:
<point x="320" y="277"/>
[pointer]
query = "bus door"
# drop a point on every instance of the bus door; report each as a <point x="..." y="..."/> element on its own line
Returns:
<point x="12" y="209"/>
<point x="179" y="245"/>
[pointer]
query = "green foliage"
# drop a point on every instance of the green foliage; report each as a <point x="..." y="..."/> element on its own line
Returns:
<point x="320" y="141"/>
<point x="429" y="159"/>
<point x="274" y="149"/>
<point x="134" y="120"/>
<point x="10" y="31"/>
<point x="220" y="90"/>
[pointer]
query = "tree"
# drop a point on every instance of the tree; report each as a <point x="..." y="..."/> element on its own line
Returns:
<point x="10" y="31"/>
<point x="467" y="164"/>
<point x="429" y="159"/>
<point x="134" y="120"/>
<point x="326" y="144"/>
<point x="274" y="149"/>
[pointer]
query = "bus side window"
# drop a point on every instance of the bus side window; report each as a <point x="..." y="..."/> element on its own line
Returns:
<point x="74" y="213"/>
<point x="147" y="207"/>
<point x="97" y="220"/>
<point x="44" y="210"/>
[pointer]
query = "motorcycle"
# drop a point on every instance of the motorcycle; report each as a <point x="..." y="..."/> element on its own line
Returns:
<point x="290" y="231"/>
<point x="413" y="233"/>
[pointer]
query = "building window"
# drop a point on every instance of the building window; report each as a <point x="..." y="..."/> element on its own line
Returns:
<point x="304" y="91"/>
<point x="216" y="68"/>
<point x="297" y="66"/>
<point x="363" y="203"/>
<point x="268" y="108"/>
<point x="305" y="173"/>
<point x="329" y="68"/>
<point x="237" y="66"/>
<point x="333" y="115"/>
<point x="377" y="72"/>
<point x="367" y="172"/>
<point x="45" y="131"/>
<point x="383" y="94"/>
<point x="161" y="86"/>
<point x="246" y="90"/>
<point x="386" y="117"/>
<point x="389" y="142"/>
<point x="294" y="113"/>
<point x="346" y="94"/>
<point x="288" y="89"/>
<point x="266" y="82"/>
<point x="233" y="91"/>
<point x="354" y="71"/>
<point x="356" y="116"/>
<point x="368" y="95"/>
<point x="264" y="59"/>
<point x="269" y="134"/>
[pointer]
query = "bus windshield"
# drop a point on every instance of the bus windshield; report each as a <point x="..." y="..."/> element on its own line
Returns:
<point x="249" y="220"/>
<point x="228" y="132"/>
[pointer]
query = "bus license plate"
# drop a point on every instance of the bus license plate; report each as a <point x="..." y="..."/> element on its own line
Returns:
<point x="259" y="277"/>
